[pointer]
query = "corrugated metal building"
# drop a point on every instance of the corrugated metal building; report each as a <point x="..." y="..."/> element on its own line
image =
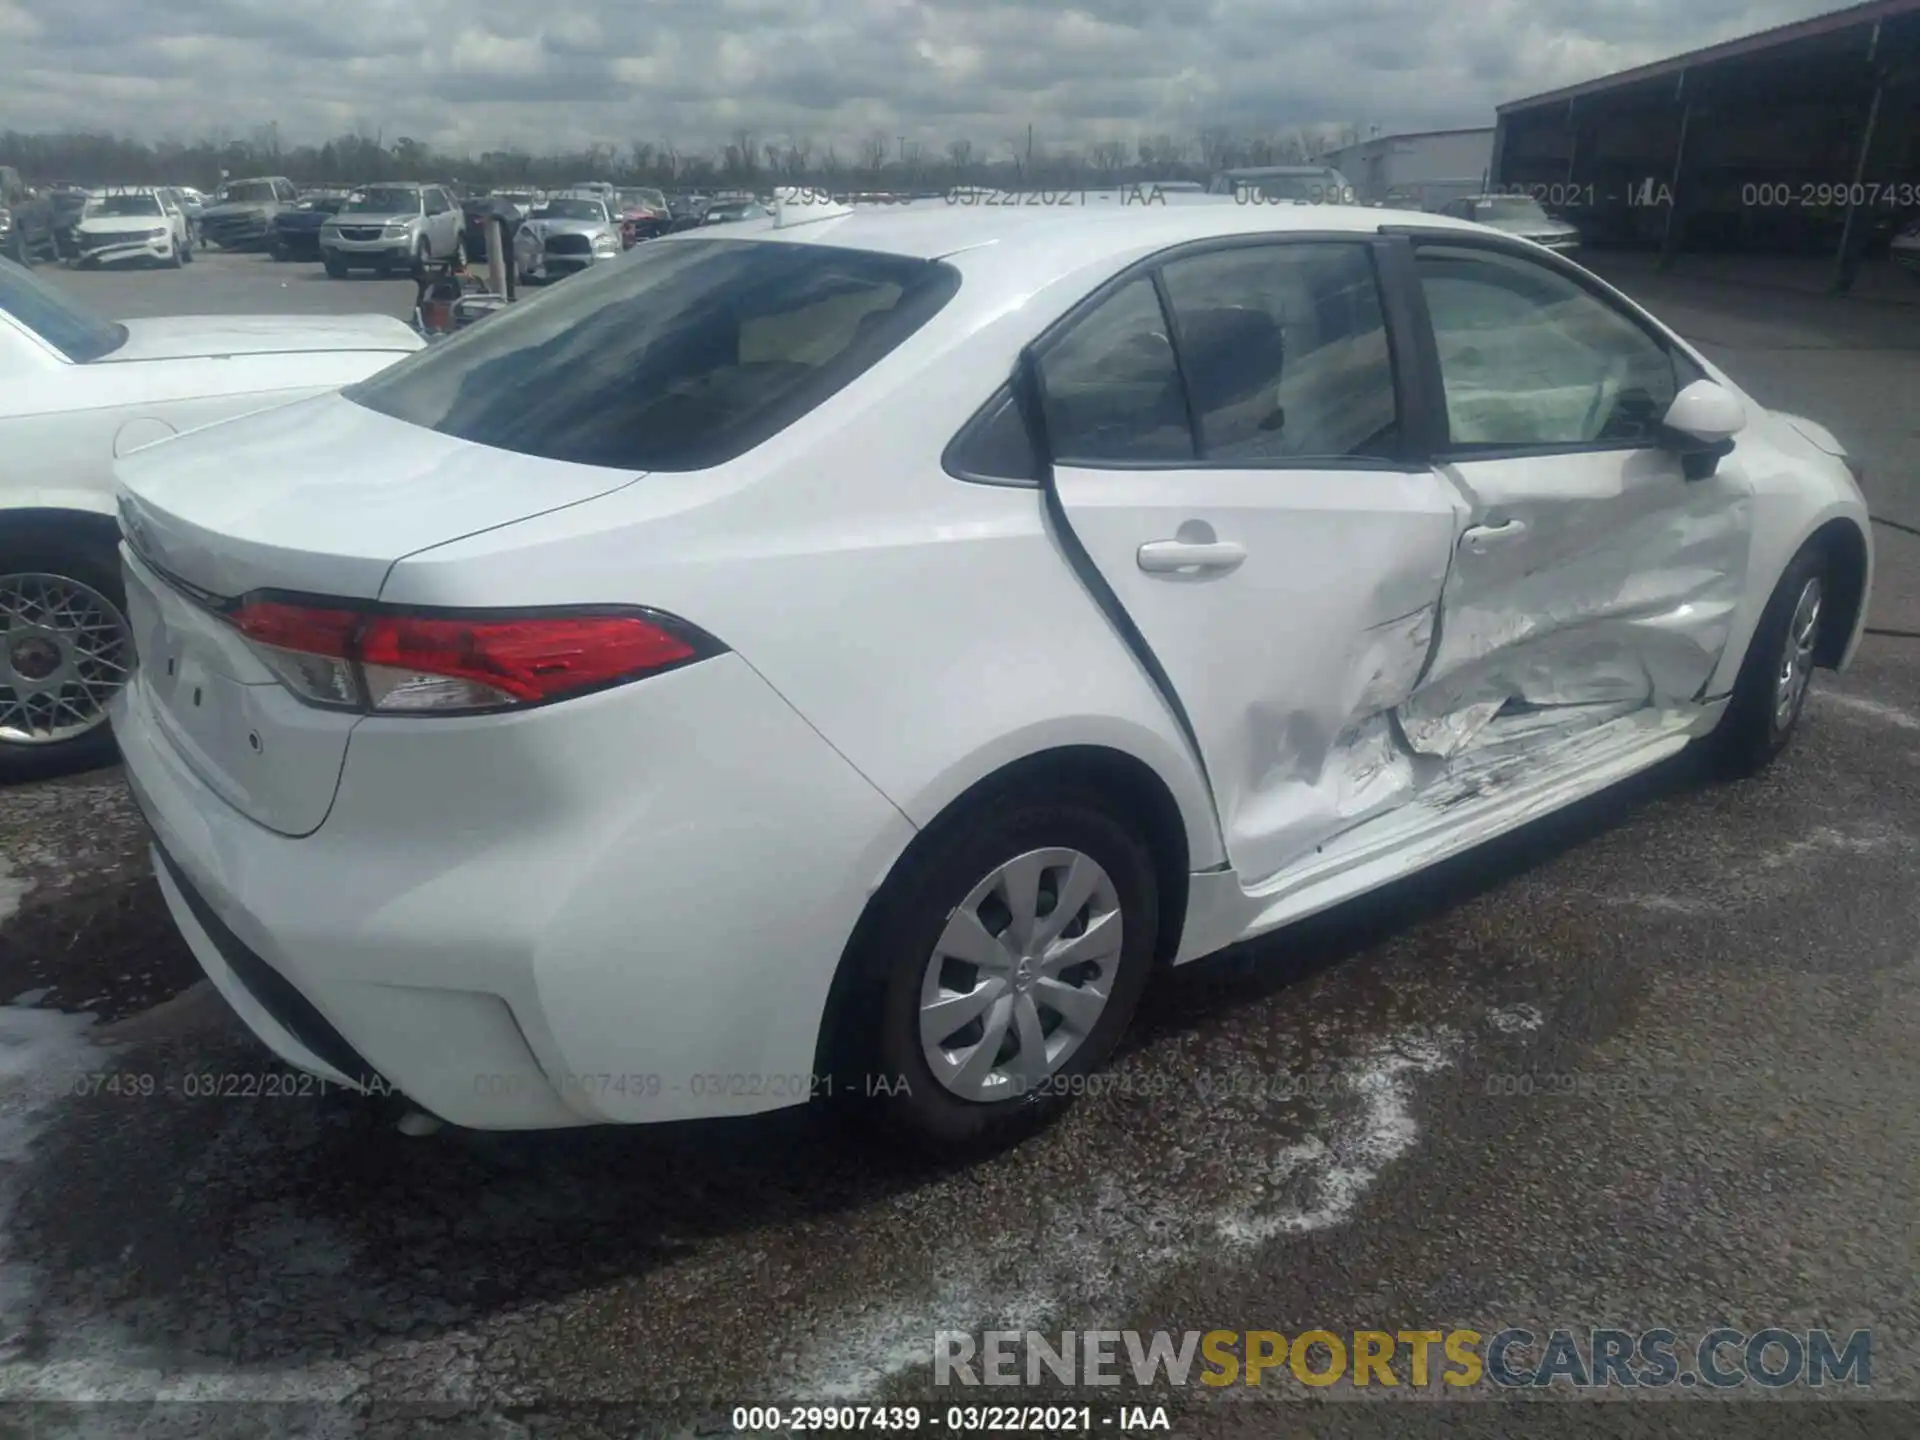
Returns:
<point x="1801" y="139"/>
<point x="1422" y="170"/>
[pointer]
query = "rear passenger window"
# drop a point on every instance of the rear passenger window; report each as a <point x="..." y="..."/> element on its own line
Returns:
<point x="1285" y="352"/>
<point x="1112" y="387"/>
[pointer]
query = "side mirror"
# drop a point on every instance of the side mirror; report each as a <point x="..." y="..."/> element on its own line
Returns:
<point x="1700" y="426"/>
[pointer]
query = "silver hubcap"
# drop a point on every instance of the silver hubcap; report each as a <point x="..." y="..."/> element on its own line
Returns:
<point x="1021" y="975"/>
<point x="1796" y="656"/>
<point x="63" y="653"/>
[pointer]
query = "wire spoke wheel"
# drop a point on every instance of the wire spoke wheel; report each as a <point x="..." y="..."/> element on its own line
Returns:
<point x="64" y="652"/>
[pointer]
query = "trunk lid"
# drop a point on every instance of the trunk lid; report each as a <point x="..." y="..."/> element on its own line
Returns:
<point x="188" y="337"/>
<point x="319" y="498"/>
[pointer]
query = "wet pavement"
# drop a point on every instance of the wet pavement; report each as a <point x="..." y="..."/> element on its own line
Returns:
<point x="1708" y="990"/>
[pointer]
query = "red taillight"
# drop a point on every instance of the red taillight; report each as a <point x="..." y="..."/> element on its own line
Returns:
<point x="298" y="627"/>
<point x="394" y="661"/>
<point x="533" y="659"/>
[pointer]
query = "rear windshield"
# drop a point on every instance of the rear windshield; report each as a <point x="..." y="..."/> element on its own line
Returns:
<point x="565" y="209"/>
<point x="124" y="205"/>
<point x="682" y="355"/>
<point x="388" y="200"/>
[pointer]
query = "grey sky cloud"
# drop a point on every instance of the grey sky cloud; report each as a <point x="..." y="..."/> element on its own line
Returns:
<point x="479" y="74"/>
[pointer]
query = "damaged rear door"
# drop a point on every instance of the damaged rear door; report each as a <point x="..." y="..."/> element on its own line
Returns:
<point x="1227" y="450"/>
<point x="1594" y="578"/>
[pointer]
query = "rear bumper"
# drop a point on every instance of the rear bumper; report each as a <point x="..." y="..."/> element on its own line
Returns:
<point x="559" y="918"/>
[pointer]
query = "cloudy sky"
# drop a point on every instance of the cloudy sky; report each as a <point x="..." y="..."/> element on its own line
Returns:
<point x="476" y="74"/>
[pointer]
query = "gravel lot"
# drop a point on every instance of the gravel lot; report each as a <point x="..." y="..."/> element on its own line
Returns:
<point x="1716" y="989"/>
<point x="241" y="283"/>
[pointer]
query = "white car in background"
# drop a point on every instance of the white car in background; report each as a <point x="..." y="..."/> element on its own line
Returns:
<point x="145" y="224"/>
<point x="849" y="651"/>
<point x="75" y="392"/>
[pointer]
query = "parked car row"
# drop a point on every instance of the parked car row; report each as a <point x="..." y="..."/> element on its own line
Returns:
<point x="142" y="223"/>
<point x="81" y="390"/>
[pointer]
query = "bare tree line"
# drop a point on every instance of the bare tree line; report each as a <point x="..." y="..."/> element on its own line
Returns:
<point x="747" y="160"/>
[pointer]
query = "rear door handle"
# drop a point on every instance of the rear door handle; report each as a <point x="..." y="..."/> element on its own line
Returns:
<point x="1165" y="557"/>
<point x="1480" y="536"/>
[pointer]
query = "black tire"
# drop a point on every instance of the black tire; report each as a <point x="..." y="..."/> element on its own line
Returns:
<point x="19" y="251"/>
<point x="422" y="258"/>
<point x="1754" y="730"/>
<point x="882" y="1077"/>
<point x="96" y="565"/>
<point x="278" y="249"/>
<point x="336" y="269"/>
<point x="460" y="252"/>
<point x="175" y="259"/>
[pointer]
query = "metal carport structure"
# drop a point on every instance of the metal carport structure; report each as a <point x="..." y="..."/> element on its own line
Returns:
<point x="1800" y="139"/>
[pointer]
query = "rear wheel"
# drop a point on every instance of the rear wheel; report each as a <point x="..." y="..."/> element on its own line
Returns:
<point x="65" y="650"/>
<point x="1772" y="687"/>
<point x="1002" y="963"/>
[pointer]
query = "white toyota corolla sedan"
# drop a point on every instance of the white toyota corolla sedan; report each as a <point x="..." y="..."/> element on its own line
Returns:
<point x="848" y="652"/>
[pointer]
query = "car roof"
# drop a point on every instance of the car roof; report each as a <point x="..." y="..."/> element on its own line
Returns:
<point x="932" y="229"/>
<point x="1255" y="172"/>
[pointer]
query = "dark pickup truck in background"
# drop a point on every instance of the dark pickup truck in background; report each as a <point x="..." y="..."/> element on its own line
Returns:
<point x="241" y="216"/>
<point x="26" y="220"/>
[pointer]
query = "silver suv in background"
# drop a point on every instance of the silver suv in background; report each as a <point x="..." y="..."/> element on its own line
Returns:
<point x="394" y="226"/>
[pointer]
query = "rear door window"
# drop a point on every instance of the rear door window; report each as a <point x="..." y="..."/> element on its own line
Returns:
<point x="681" y="356"/>
<point x="1285" y="352"/>
<point x="1112" y="386"/>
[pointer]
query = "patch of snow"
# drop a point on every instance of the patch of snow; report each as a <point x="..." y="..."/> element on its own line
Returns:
<point x="41" y="1052"/>
<point x="1869" y="709"/>
<point x="1331" y="1172"/>
<point x="13" y="890"/>
<point x="1516" y="1019"/>
<point x="1775" y="872"/>
<point x="1094" y="1257"/>
<point x="1870" y="840"/>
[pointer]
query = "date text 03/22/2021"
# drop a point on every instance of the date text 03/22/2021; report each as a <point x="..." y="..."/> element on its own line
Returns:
<point x="1116" y="1420"/>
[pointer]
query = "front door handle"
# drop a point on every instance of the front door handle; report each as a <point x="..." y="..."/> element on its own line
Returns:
<point x="1165" y="557"/>
<point x="1481" y="536"/>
